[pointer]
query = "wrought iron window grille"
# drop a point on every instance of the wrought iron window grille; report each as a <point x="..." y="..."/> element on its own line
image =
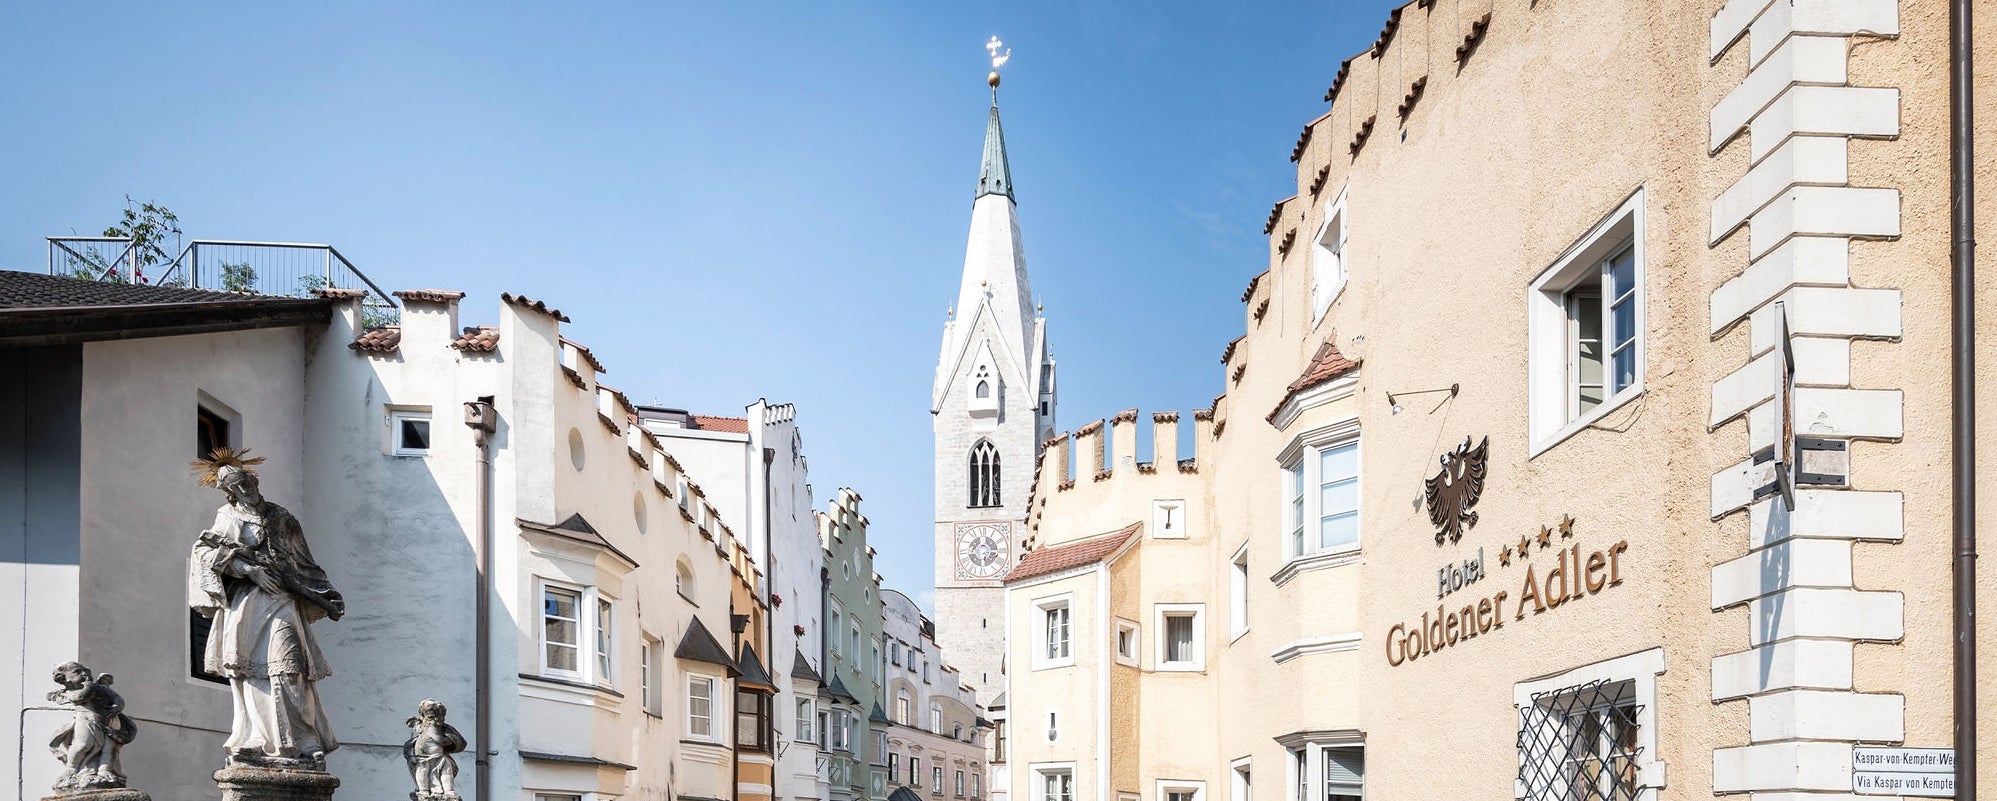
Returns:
<point x="1579" y="744"/>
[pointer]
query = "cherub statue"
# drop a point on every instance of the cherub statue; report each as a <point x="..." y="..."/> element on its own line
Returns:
<point x="431" y="744"/>
<point x="88" y="746"/>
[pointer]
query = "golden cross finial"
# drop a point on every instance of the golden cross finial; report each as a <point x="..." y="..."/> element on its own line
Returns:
<point x="998" y="60"/>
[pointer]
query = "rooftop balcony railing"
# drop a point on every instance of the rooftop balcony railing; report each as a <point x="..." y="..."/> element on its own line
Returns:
<point x="257" y="268"/>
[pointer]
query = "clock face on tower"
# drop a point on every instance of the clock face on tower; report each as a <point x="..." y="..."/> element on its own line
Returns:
<point x="982" y="550"/>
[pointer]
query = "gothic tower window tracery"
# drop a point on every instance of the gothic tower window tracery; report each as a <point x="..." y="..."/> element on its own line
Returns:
<point x="984" y="474"/>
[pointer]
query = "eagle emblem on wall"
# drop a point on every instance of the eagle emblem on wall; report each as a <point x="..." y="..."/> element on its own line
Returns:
<point x="1455" y="489"/>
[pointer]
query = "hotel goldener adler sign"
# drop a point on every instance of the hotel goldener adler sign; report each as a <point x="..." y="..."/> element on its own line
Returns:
<point x="1565" y="573"/>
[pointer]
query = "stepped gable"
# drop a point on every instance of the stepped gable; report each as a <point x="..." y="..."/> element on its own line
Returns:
<point x="1054" y="558"/>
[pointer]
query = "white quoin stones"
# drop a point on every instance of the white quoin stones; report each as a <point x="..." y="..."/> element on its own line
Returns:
<point x="1799" y="212"/>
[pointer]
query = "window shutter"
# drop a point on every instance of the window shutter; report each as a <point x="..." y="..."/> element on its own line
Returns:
<point x="1344" y="769"/>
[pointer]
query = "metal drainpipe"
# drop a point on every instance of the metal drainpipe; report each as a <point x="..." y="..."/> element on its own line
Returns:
<point x="1962" y="183"/>
<point x="480" y="416"/>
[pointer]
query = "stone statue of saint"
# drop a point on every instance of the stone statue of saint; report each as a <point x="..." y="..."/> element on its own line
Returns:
<point x="252" y="573"/>
<point x="88" y="745"/>
<point x="428" y="752"/>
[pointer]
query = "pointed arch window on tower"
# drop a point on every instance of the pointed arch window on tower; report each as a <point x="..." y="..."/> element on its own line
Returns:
<point x="984" y="474"/>
<point x="984" y="393"/>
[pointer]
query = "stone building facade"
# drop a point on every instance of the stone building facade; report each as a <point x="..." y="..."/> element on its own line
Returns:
<point x="614" y="587"/>
<point x="854" y="659"/>
<point x="1586" y="439"/>
<point x="935" y="734"/>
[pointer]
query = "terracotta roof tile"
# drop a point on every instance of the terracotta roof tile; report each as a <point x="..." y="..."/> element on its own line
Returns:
<point x="478" y="339"/>
<point x="1125" y="416"/>
<point x="339" y="292"/>
<point x="1053" y="558"/>
<point x="586" y="355"/>
<point x="1325" y="365"/>
<point x="1252" y="283"/>
<point x="429" y="295"/>
<point x="378" y="340"/>
<point x="731" y="425"/>
<point x="1227" y="353"/>
<point x="530" y="303"/>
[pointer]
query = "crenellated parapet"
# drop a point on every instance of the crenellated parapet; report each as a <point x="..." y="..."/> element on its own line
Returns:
<point x="1101" y="459"/>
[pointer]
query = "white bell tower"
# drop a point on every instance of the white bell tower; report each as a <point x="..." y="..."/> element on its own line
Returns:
<point x="993" y="405"/>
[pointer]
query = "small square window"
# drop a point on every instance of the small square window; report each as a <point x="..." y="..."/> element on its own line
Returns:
<point x="410" y="432"/>
<point x="1168" y="520"/>
<point x="1181" y="637"/>
<point x="1126" y="642"/>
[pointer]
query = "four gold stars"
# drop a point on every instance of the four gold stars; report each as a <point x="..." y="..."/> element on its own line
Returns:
<point x="1544" y="538"/>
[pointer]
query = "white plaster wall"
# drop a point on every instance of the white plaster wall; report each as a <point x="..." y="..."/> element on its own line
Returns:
<point x="140" y="512"/>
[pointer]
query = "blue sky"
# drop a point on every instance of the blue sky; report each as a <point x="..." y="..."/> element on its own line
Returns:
<point x="731" y="200"/>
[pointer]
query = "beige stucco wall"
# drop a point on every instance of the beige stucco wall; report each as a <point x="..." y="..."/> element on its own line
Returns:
<point x="1554" y="119"/>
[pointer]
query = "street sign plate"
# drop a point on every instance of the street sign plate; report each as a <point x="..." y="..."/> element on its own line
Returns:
<point x="1914" y="772"/>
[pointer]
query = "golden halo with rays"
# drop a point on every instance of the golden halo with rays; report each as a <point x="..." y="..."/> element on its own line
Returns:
<point x="209" y="469"/>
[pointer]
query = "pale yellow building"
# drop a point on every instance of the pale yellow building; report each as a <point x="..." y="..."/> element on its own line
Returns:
<point x="1588" y="437"/>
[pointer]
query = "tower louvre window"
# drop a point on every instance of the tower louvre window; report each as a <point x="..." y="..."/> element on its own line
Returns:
<point x="984" y="474"/>
<point x="984" y="389"/>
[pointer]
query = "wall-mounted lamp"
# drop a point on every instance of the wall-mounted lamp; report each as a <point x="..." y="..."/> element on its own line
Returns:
<point x="1396" y="404"/>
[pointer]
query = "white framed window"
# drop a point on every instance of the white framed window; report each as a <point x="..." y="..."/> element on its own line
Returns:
<point x="409" y="431"/>
<point x="1168" y="520"/>
<point x="683" y="580"/>
<point x="1237" y="594"/>
<point x="977" y="785"/>
<point x="833" y="630"/>
<point x="1328" y="262"/>
<point x="1054" y="782"/>
<point x="1586" y="320"/>
<point x="1591" y="732"/>
<point x="854" y="654"/>
<point x="806" y="717"/>
<point x="901" y="707"/>
<point x="936" y="779"/>
<point x="1052" y="637"/>
<point x="648" y="674"/>
<point x="1181" y="636"/>
<point x="700" y="698"/>
<point x="561" y="630"/>
<point x="1321" y="482"/>
<point x="1126" y="642"/>
<point x="935" y="717"/>
<point x="1181" y="790"/>
<point x="571" y="616"/>
<point x="959" y="787"/>
<point x="1241" y="776"/>
<point x="1326" y="767"/>
<point x="606" y="621"/>
<point x="842" y="732"/>
<point x="874" y="658"/>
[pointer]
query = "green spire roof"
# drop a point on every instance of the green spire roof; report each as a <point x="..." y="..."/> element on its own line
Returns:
<point x="995" y="176"/>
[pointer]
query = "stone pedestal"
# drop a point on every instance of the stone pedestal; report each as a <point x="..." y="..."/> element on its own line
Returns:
<point x="103" y="794"/>
<point x="243" y="783"/>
